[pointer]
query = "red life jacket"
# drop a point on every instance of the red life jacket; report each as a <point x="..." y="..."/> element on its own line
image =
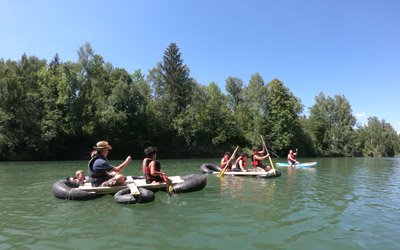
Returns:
<point x="293" y="156"/>
<point x="146" y="170"/>
<point x="227" y="167"/>
<point x="243" y="162"/>
<point x="255" y="163"/>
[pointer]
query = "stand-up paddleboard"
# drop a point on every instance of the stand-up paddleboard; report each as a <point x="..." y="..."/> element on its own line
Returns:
<point x="299" y="165"/>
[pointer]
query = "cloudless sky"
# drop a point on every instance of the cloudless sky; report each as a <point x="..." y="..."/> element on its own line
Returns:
<point x="338" y="47"/>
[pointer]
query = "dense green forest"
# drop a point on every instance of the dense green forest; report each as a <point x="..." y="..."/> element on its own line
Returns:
<point x="59" y="110"/>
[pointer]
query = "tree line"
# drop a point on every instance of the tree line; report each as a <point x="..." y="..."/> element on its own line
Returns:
<point x="59" y="110"/>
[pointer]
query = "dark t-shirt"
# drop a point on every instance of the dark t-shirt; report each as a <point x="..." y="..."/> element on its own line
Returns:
<point x="100" y="167"/>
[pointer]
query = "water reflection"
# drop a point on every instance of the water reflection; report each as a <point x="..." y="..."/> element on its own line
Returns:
<point x="249" y="188"/>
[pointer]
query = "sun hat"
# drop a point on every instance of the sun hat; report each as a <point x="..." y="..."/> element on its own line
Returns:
<point x="102" y="145"/>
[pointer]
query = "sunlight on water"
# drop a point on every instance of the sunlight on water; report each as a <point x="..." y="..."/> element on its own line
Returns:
<point x="351" y="203"/>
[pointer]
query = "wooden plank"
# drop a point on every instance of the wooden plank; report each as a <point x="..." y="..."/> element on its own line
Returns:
<point x="142" y="182"/>
<point x="129" y="180"/>
<point x="134" y="189"/>
<point x="176" y="179"/>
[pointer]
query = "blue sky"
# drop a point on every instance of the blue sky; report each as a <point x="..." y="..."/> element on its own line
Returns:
<point x="338" y="47"/>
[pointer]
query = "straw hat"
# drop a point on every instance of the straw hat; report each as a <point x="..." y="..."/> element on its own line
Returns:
<point x="102" y="145"/>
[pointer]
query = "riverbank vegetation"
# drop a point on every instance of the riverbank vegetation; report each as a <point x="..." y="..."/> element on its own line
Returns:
<point x="59" y="110"/>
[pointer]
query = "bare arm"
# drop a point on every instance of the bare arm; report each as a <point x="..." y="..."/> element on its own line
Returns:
<point x="123" y="165"/>
<point x="224" y="162"/>
<point x="257" y="157"/>
<point x="243" y="168"/>
<point x="153" y="170"/>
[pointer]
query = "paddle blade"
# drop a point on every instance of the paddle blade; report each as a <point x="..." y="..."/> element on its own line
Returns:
<point x="170" y="189"/>
<point x="221" y="174"/>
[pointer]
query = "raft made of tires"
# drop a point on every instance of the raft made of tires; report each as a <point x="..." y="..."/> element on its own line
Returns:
<point x="181" y="184"/>
<point x="210" y="168"/>
<point x="124" y="196"/>
<point x="69" y="190"/>
<point x="144" y="194"/>
<point x="271" y="174"/>
<point x="191" y="183"/>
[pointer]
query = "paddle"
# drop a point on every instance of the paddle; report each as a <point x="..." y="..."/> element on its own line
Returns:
<point x="269" y="156"/>
<point x="274" y="153"/>
<point x="169" y="187"/>
<point x="222" y="172"/>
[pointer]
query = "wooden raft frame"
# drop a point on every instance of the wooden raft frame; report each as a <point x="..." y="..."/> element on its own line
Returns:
<point x="133" y="184"/>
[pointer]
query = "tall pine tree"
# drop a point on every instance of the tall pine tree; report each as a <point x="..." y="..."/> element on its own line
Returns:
<point x="173" y="90"/>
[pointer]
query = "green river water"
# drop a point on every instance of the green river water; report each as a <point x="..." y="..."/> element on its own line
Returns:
<point x="345" y="203"/>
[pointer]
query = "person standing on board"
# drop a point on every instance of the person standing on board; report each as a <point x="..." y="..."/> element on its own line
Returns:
<point x="256" y="160"/>
<point x="152" y="169"/>
<point x="227" y="160"/>
<point x="292" y="158"/>
<point x="101" y="171"/>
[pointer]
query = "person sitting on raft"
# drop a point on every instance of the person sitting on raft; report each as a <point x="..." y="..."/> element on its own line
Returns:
<point x="291" y="158"/>
<point x="227" y="160"/>
<point x="152" y="169"/>
<point x="240" y="164"/>
<point x="101" y="171"/>
<point x="79" y="177"/>
<point x="256" y="161"/>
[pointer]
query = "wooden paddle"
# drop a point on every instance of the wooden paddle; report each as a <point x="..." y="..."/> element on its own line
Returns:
<point x="222" y="172"/>
<point x="269" y="156"/>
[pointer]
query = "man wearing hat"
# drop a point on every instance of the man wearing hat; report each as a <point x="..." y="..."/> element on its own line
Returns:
<point x="101" y="171"/>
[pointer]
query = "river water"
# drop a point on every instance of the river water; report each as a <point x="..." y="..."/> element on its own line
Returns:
<point x="344" y="203"/>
